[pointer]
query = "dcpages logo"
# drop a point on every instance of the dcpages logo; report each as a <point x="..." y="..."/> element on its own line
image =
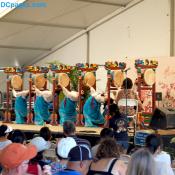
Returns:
<point x="9" y="4"/>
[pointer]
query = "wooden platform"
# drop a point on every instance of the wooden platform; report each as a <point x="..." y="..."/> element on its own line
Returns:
<point x="85" y="131"/>
<point x="89" y="131"/>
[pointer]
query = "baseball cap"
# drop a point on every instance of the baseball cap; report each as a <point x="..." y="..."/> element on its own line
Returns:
<point x="5" y="129"/>
<point x="64" y="146"/>
<point x="15" y="153"/>
<point x="40" y="143"/>
<point x="80" y="153"/>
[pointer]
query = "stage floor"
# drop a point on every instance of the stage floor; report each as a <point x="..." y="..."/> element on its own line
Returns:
<point x="84" y="131"/>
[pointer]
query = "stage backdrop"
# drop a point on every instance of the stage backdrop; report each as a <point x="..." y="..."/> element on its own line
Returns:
<point x="165" y="80"/>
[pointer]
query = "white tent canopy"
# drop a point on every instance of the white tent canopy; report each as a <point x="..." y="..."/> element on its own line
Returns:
<point x="27" y="33"/>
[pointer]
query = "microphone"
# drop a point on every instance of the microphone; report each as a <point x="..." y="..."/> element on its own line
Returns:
<point x="126" y="70"/>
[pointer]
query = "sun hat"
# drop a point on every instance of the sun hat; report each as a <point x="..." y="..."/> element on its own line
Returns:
<point x="15" y="153"/>
<point x="40" y="143"/>
<point x="80" y="153"/>
<point x="5" y="129"/>
<point x="64" y="146"/>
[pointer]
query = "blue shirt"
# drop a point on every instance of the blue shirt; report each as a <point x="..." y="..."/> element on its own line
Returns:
<point x="68" y="172"/>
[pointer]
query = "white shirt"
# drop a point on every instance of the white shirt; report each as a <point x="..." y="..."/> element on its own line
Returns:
<point x="97" y="96"/>
<point x="21" y="93"/>
<point x="46" y="94"/>
<point x="3" y="144"/>
<point x="73" y="95"/>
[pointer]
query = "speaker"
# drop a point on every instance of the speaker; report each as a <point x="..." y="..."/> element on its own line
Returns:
<point x="163" y="118"/>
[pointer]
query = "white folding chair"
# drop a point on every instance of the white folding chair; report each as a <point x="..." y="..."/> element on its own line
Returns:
<point x="130" y="103"/>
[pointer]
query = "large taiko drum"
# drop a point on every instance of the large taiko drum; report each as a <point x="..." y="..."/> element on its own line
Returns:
<point x="16" y="82"/>
<point x="39" y="81"/>
<point x="63" y="79"/>
<point x="149" y="77"/>
<point x="89" y="79"/>
<point x="117" y="78"/>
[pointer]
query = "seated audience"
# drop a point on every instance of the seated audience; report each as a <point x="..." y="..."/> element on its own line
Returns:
<point x="162" y="159"/>
<point x="14" y="158"/>
<point x="45" y="133"/>
<point x="4" y="132"/>
<point x="141" y="163"/>
<point x="63" y="148"/>
<point x="105" y="133"/>
<point x="107" y="159"/>
<point x="17" y="136"/>
<point x="69" y="131"/>
<point x="79" y="161"/>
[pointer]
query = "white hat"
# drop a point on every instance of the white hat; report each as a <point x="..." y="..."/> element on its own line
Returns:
<point x="9" y="129"/>
<point x="64" y="146"/>
<point x="40" y="143"/>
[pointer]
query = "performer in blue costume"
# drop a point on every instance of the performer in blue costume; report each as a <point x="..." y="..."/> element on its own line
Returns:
<point x="41" y="106"/>
<point x="91" y="109"/>
<point x="67" y="109"/>
<point x="20" y="106"/>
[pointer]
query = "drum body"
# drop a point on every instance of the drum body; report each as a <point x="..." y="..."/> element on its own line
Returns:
<point x="149" y="77"/>
<point x="39" y="81"/>
<point x="117" y="78"/>
<point x="89" y="79"/>
<point x="63" y="79"/>
<point x="16" y="82"/>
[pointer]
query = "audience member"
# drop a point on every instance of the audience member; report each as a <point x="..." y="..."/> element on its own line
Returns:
<point x="45" y="133"/>
<point x="107" y="159"/>
<point x="4" y="132"/>
<point x="17" y="136"/>
<point x="141" y="163"/>
<point x="69" y="131"/>
<point x="105" y="133"/>
<point x="14" y="158"/>
<point x="162" y="159"/>
<point x="63" y="148"/>
<point x="79" y="161"/>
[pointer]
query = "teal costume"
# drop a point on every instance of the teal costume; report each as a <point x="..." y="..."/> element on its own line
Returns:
<point x="41" y="110"/>
<point x="20" y="109"/>
<point x="91" y="112"/>
<point x="67" y="110"/>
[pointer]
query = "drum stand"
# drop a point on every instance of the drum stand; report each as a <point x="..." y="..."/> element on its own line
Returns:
<point x="7" y="114"/>
<point x="30" y="114"/>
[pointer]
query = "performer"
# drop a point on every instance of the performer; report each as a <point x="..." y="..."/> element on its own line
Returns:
<point x="41" y="106"/>
<point x="129" y="93"/>
<point x="20" y="105"/>
<point x="67" y="109"/>
<point x="91" y="109"/>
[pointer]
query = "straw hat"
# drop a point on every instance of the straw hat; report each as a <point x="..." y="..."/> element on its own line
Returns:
<point x="39" y="81"/>
<point x="118" y="78"/>
<point x="149" y="77"/>
<point x="89" y="78"/>
<point x="15" y="153"/>
<point x="63" y="79"/>
<point x="16" y="82"/>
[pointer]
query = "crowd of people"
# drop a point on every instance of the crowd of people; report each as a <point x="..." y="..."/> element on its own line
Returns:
<point x="75" y="156"/>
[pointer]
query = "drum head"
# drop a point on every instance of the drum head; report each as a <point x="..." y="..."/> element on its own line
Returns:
<point x="89" y="78"/>
<point x="16" y="82"/>
<point x="118" y="78"/>
<point x="39" y="81"/>
<point x="149" y="77"/>
<point x="63" y="79"/>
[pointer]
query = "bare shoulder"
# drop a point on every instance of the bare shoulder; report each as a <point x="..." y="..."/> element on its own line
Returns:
<point x="119" y="168"/>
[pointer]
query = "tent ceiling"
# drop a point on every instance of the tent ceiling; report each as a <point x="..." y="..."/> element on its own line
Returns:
<point x="27" y="33"/>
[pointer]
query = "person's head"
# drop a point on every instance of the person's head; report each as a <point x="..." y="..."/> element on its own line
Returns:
<point x="106" y="133"/>
<point x="45" y="133"/>
<point x="16" y="153"/>
<point x="114" y="110"/>
<point x="79" y="159"/>
<point x="64" y="146"/>
<point x="18" y="136"/>
<point x="154" y="143"/>
<point x="127" y="83"/>
<point x="108" y="148"/>
<point x="5" y="130"/>
<point x="141" y="163"/>
<point x="68" y="128"/>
